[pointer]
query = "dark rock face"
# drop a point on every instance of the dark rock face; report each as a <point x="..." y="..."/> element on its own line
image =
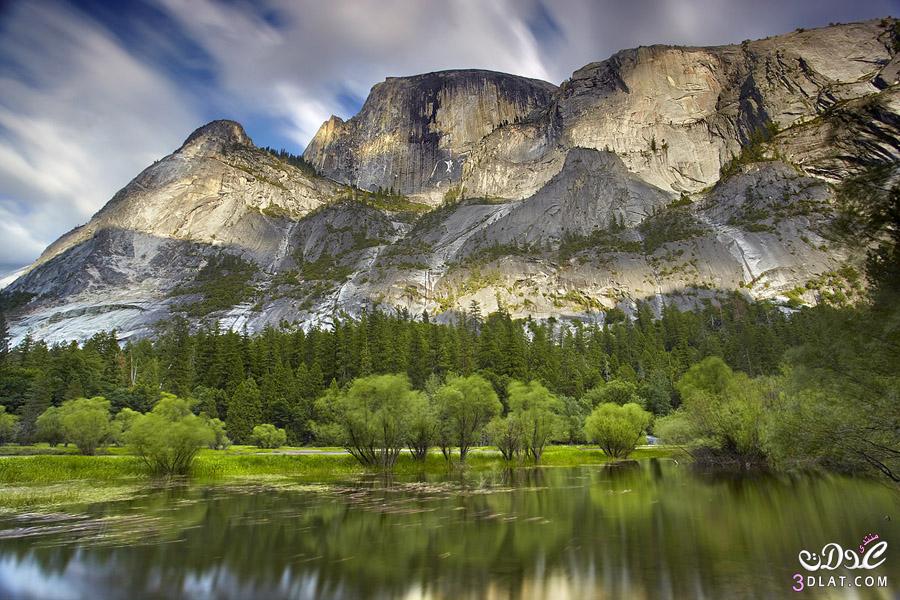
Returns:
<point x="414" y="134"/>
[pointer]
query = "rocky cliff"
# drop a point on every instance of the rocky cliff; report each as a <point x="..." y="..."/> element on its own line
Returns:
<point x="676" y="115"/>
<point x="414" y="134"/>
<point x="665" y="174"/>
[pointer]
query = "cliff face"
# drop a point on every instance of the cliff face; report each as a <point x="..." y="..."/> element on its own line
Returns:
<point x="414" y="134"/>
<point x="663" y="173"/>
<point x="217" y="189"/>
<point x="676" y="115"/>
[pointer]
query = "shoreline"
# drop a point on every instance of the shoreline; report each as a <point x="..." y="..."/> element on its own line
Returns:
<point x="41" y="481"/>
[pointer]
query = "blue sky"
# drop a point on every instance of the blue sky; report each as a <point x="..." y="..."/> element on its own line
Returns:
<point x="93" y="91"/>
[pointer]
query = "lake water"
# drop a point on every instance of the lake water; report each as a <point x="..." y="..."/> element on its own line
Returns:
<point x="655" y="529"/>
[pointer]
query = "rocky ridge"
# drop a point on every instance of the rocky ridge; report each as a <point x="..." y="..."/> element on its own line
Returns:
<point x="663" y="173"/>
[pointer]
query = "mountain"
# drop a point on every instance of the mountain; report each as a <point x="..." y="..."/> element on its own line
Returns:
<point x="413" y="134"/>
<point x="664" y="173"/>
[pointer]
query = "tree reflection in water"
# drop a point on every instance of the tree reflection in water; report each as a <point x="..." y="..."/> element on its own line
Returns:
<point x="639" y="530"/>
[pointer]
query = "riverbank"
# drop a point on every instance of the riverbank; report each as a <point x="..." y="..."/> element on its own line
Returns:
<point x="37" y="480"/>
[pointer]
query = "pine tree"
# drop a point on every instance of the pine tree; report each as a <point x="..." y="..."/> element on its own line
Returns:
<point x="244" y="411"/>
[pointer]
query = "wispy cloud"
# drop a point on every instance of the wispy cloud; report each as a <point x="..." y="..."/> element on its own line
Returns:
<point x="92" y="92"/>
<point x="293" y="60"/>
<point x="79" y="116"/>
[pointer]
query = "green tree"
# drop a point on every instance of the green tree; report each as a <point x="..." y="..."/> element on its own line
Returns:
<point x="8" y="425"/>
<point x="220" y="439"/>
<point x="244" y="411"/>
<point x="508" y="434"/>
<point x="617" y="391"/>
<point x="268" y="436"/>
<point x="655" y="393"/>
<point x="536" y="408"/>
<point x="212" y="401"/>
<point x="122" y="422"/>
<point x="168" y="437"/>
<point x="86" y="423"/>
<point x="373" y="416"/>
<point x="49" y="428"/>
<point x="464" y="407"/>
<point x="574" y="412"/>
<point x="422" y="427"/>
<point x="726" y="411"/>
<point x="617" y="429"/>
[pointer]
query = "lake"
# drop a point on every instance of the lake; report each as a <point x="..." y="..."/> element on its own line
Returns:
<point x="653" y="529"/>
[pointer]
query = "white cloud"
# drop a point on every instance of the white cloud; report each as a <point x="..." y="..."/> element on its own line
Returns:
<point x="79" y="117"/>
<point x="295" y="70"/>
<point x="81" y="114"/>
<point x="17" y="243"/>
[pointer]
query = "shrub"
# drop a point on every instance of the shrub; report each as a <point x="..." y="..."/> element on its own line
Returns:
<point x="507" y="434"/>
<point x="123" y="422"/>
<point x="268" y="436"/>
<point x="373" y="418"/>
<point x="465" y="405"/>
<point x="244" y="410"/>
<point x="220" y="439"/>
<point x="617" y="391"/>
<point x="725" y="410"/>
<point x="8" y="425"/>
<point x="168" y="438"/>
<point x="422" y="428"/>
<point x="617" y="429"/>
<point x="86" y="423"/>
<point x="49" y="428"/>
<point x="536" y="408"/>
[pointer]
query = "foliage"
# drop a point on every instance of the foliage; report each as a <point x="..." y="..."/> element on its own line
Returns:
<point x="324" y="268"/>
<point x="573" y="413"/>
<point x="753" y="149"/>
<point x="610" y="239"/>
<point x="223" y="282"/>
<point x="122" y="423"/>
<point x="839" y="407"/>
<point x="219" y="440"/>
<point x="374" y="417"/>
<point x="536" y="409"/>
<point x="8" y="424"/>
<point x="86" y="423"/>
<point x="422" y="427"/>
<point x="508" y="434"/>
<point x="268" y="436"/>
<point x="617" y="429"/>
<point x="295" y="366"/>
<point x="386" y="199"/>
<point x="617" y="391"/>
<point x="244" y="411"/>
<point x="464" y="407"/>
<point x="294" y="160"/>
<point x="10" y="302"/>
<point x="668" y="225"/>
<point x="725" y="410"/>
<point x="168" y="438"/>
<point x="49" y="427"/>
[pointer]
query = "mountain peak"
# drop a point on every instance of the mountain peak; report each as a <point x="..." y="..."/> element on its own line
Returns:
<point x="216" y="136"/>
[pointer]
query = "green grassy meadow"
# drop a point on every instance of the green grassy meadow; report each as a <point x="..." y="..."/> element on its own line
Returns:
<point x="41" y="477"/>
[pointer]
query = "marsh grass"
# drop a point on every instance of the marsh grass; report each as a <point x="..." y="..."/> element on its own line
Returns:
<point x="45" y="481"/>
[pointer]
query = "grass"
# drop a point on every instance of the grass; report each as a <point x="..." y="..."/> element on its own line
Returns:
<point x="41" y="481"/>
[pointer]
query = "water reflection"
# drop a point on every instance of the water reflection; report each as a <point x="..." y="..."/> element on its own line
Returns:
<point x="640" y="530"/>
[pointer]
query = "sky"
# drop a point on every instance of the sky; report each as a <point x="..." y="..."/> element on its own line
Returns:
<point x="93" y="91"/>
